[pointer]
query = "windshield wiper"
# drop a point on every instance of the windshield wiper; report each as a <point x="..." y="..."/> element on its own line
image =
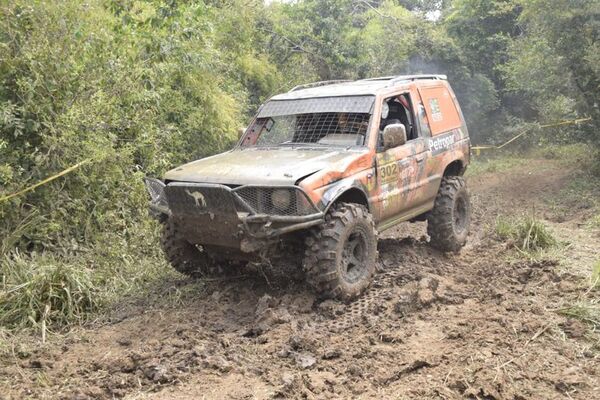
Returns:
<point x="299" y="144"/>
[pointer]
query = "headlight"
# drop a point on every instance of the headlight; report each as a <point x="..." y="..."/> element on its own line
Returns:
<point x="281" y="199"/>
<point x="156" y="190"/>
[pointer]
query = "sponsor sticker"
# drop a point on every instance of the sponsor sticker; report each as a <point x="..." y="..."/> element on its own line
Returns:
<point x="436" y="113"/>
<point x="441" y="143"/>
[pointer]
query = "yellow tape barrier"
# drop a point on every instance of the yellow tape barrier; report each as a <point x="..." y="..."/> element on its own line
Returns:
<point x="569" y="122"/>
<point x="79" y="164"/>
<point x="49" y="179"/>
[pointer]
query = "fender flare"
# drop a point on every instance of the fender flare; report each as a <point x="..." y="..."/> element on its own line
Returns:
<point x="341" y="188"/>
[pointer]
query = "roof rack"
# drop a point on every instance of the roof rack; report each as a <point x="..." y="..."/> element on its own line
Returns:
<point x="398" y="78"/>
<point x="320" y="83"/>
<point x="380" y="78"/>
<point x="392" y="79"/>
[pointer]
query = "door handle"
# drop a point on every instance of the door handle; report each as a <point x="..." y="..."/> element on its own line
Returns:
<point x="420" y="159"/>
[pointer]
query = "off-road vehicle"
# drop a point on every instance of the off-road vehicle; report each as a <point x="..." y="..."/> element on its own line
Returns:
<point x="323" y="168"/>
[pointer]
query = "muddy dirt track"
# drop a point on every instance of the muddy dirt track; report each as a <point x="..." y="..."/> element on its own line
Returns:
<point x="479" y="325"/>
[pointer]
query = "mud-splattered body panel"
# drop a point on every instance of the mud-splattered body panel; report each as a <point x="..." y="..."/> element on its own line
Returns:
<point x="402" y="182"/>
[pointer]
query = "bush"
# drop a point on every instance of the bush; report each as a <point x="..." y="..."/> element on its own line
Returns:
<point x="527" y="233"/>
<point x="138" y="87"/>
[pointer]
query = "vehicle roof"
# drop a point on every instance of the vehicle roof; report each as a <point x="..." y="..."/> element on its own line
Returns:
<point x="371" y="86"/>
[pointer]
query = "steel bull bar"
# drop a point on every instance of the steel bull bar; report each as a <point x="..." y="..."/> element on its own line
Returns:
<point x="240" y="217"/>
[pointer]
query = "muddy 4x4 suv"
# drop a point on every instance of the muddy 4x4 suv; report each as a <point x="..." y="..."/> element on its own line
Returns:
<point x="324" y="168"/>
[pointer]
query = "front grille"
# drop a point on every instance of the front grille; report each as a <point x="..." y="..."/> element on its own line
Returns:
<point x="260" y="199"/>
<point x="192" y="199"/>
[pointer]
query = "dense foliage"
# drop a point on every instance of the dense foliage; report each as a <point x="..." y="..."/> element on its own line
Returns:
<point x="140" y="86"/>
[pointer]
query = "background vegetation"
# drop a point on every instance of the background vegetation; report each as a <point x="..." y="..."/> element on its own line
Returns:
<point x="140" y="86"/>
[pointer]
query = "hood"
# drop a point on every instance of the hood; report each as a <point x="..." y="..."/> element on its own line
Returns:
<point x="280" y="166"/>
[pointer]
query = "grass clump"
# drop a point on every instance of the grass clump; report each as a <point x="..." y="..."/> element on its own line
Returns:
<point x="42" y="291"/>
<point x="594" y="222"/>
<point x="596" y="275"/>
<point x="584" y="311"/>
<point x="587" y="308"/>
<point x="52" y="292"/>
<point x="527" y="234"/>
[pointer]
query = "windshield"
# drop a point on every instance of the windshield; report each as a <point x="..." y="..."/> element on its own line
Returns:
<point x="323" y="121"/>
<point x="327" y="129"/>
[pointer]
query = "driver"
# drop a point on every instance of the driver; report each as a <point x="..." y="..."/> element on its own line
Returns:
<point x="351" y="124"/>
<point x="386" y="118"/>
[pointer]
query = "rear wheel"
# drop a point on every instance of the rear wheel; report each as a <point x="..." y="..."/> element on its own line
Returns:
<point x="341" y="255"/>
<point x="449" y="221"/>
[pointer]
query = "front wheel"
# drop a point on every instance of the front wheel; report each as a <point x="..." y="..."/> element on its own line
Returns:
<point x="341" y="254"/>
<point x="184" y="256"/>
<point x="448" y="223"/>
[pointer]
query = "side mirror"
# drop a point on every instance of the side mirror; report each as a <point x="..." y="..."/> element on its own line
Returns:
<point x="394" y="135"/>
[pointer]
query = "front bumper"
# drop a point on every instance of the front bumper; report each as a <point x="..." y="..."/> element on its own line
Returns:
<point x="242" y="217"/>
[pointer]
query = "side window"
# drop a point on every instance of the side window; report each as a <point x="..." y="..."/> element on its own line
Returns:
<point x="399" y="110"/>
<point x="440" y="108"/>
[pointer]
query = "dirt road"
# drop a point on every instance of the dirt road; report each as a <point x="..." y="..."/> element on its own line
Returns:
<point x="481" y="324"/>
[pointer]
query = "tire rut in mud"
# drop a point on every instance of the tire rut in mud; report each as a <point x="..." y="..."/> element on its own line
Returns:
<point x="403" y="287"/>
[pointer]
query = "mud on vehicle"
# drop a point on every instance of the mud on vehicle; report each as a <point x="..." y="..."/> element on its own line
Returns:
<point x="323" y="168"/>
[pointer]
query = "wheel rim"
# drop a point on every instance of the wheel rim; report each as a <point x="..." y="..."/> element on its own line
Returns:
<point x="354" y="256"/>
<point x="460" y="214"/>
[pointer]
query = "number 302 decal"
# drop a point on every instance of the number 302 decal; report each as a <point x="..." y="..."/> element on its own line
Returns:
<point x="389" y="172"/>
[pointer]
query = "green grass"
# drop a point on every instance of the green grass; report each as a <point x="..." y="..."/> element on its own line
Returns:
<point x="576" y="152"/>
<point x="45" y="291"/>
<point x="579" y="155"/>
<point x="50" y="292"/>
<point x="481" y="164"/>
<point x="580" y="196"/>
<point x="528" y="234"/>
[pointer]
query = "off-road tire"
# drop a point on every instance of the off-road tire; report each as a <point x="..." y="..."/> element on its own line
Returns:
<point x="183" y="256"/>
<point x="347" y="239"/>
<point x="448" y="222"/>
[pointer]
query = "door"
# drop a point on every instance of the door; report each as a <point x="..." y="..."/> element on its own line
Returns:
<point x="401" y="171"/>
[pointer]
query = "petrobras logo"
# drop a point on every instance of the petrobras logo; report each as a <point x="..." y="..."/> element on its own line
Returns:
<point x="441" y="143"/>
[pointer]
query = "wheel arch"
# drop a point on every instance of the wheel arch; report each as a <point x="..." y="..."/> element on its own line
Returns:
<point x="352" y="194"/>
<point x="455" y="168"/>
